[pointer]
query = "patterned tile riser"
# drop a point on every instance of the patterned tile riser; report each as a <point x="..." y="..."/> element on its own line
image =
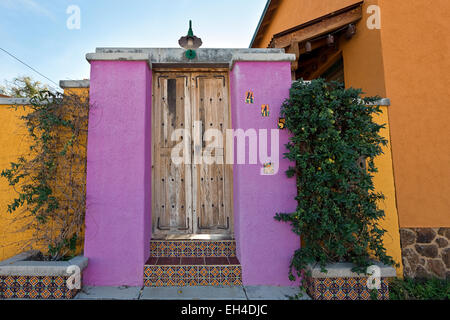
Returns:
<point x="39" y="287"/>
<point x="163" y="276"/>
<point x="344" y="289"/>
<point x="193" y="248"/>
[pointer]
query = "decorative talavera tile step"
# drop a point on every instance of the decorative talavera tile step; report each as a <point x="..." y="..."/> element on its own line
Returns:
<point x="193" y="248"/>
<point x="192" y="271"/>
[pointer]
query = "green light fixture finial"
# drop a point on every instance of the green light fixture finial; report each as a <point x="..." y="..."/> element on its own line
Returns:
<point x="190" y="32"/>
<point x="190" y="43"/>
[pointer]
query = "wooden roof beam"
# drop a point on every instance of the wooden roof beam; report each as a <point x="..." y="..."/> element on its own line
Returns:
<point x="320" y="27"/>
<point x="314" y="45"/>
<point x="294" y="48"/>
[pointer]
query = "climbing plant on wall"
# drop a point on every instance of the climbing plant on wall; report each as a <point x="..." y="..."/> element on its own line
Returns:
<point x="50" y="178"/>
<point x="333" y="145"/>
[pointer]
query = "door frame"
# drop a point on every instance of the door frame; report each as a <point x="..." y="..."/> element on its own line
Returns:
<point x="193" y="73"/>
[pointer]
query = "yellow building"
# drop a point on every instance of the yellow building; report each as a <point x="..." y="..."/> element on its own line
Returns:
<point x="399" y="51"/>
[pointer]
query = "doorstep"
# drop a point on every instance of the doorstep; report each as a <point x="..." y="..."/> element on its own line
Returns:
<point x="181" y="263"/>
<point x="192" y="271"/>
<point x="194" y="293"/>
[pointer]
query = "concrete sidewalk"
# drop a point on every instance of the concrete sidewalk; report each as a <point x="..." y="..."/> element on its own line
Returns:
<point x="189" y="293"/>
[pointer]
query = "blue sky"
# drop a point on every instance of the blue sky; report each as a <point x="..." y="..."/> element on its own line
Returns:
<point x="35" y="30"/>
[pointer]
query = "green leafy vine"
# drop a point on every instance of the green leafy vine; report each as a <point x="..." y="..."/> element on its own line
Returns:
<point x="333" y="145"/>
<point x="50" y="178"/>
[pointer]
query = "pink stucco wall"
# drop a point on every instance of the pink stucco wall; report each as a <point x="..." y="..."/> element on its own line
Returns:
<point x="118" y="215"/>
<point x="264" y="245"/>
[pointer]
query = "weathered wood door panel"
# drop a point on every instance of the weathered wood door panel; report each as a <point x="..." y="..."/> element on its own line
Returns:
<point x="194" y="197"/>
<point x="212" y="177"/>
<point x="172" y="183"/>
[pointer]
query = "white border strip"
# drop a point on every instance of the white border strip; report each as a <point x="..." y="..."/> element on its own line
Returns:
<point x="14" y="101"/>
<point x="120" y="56"/>
<point x="74" y="83"/>
<point x="344" y="270"/>
<point x="20" y="265"/>
<point x="261" y="57"/>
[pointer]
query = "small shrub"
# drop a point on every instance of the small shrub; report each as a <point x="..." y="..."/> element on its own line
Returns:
<point x="419" y="289"/>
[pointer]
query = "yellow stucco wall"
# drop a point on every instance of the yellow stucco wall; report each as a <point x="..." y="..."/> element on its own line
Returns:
<point x="14" y="142"/>
<point x="363" y="68"/>
<point x="384" y="182"/>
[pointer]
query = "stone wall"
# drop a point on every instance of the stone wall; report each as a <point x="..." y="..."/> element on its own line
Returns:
<point x="426" y="252"/>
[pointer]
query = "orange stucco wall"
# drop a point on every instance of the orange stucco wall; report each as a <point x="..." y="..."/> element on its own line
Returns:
<point x="416" y="42"/>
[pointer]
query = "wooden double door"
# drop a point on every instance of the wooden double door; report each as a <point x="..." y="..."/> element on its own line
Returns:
<point x="191" y="182"/>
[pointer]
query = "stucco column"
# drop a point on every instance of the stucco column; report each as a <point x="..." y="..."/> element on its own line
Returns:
<point x="264" y="246"/>
<point x="118" y="213"/>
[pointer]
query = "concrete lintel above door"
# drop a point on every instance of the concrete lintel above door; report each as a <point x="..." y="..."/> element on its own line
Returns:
<point x="206" y="57"/>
